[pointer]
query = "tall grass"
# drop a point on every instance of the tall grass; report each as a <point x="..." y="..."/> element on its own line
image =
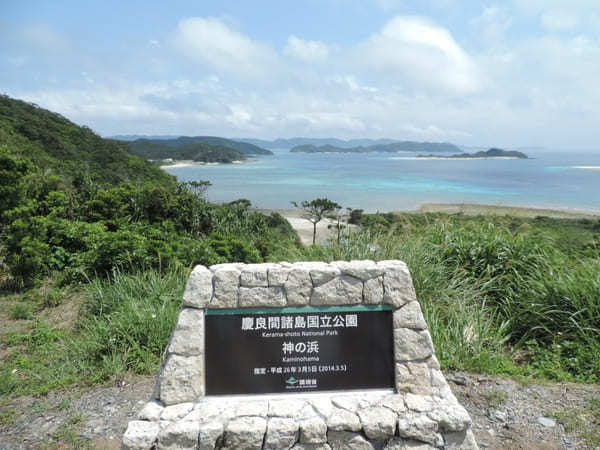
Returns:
<point x="124" y="326"/>
<point x="489" y="294"/>
<point x="128" y="320"/>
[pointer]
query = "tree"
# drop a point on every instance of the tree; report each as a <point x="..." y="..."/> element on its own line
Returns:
<point x="340" y="218"/>
<point x="315" y="210"/>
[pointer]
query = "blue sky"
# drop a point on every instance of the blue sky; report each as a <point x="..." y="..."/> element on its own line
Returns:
<point x="511" y="73"/>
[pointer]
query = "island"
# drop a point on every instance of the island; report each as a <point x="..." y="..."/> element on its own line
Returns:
<point x="200" y="149"/>
<point x="401" y="146"/>
<point x="492" y="153"/>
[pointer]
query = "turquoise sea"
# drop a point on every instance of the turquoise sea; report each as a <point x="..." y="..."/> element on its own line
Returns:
<point x="399" y="181"/>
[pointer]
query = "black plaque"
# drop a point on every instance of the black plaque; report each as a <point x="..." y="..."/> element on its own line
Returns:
<point x="257" y="351"/>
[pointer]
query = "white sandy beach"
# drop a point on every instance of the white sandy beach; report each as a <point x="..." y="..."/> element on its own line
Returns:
<point x="586" y="167"/>
<point x="190" y="163"/>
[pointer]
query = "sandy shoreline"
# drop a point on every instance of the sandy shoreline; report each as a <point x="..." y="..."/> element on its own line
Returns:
<point x="586" y="167"/>
<point x="476" y="209"/>
<point x="473" y="209"/>
<point x="304" y="228"/>
<point x="190" y="163"/>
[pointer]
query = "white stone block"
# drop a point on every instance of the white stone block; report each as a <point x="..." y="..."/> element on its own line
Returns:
<point x="363" y="270"/>
<point x="151" y="411"/>
<point x="258" y="408"/>
<point x="394" y="402"/>
<point x="298" y="286"/>
<point x="226" y="281"/>
<point x="323" y="446"/>
<point x="140" y="435"/>
<point x="397" y="284"/>
<point x="413" y="377"/>
<point x="282" y="434"/>
<point x="322" y="406"/>
<point x="198" y="289"/>
<point x="345" y="290"/>
<point x="407" y="444"/>
<point x="286" y="408"/>
<point x="181" y="379"/>
<point x="419" y="427"/>
<point x="323" y="273"/>
<point x="343" y="420"/>
<point x="313" y="431"/>
<point x="461" y="440"/>
<point x="418" y="403"/>
<point x="254" y="275"/>
<point x="176" y="412"/>
<point x="245" y="433"/>
<point x="412" y="344"/>
<point x="378" y="422"/>
<point x="209" y="433"/>
<point x="277" y="276"/>
<point x="345" y="440"/>
<point x="373" y="291"/>
<point x="256" y="297"/>
<point x="187" y="342"/>
<point x="409" y="316"/>
<point x="178" y="435"/>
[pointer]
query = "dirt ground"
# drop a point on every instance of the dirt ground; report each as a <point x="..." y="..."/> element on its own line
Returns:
<point x="506" y="414"/>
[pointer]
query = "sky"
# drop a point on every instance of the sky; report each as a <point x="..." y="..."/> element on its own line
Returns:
<point x="515" y="73"/>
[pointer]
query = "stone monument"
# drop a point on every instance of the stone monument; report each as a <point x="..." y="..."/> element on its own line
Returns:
<point x="301" y="356"/>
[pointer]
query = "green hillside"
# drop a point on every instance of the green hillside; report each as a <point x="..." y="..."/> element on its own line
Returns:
<point x="195" y="151"/>
<point x="74" y="206"/>
<point x="185" y="141"/>
<point x="401" y="146"/>
<point x="54" y="143"/>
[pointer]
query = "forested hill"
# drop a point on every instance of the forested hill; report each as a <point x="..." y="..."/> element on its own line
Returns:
<point x="74" y="206"/>
<point x="196" y="151"/>
<point x="51" y="142"/>
<point x="186" y="141"/>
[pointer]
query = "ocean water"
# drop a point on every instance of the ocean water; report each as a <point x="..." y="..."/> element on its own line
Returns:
<point x="399" y="181"/>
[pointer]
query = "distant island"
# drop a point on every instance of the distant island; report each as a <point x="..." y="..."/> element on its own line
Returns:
<point x="401" y="146"/>
<point x="489" y="154"/>
<point x="280" y="143"/>
<point x="203" y="149"/>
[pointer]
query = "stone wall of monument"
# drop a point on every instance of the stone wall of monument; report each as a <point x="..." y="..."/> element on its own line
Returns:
<point x="421" y="413"/>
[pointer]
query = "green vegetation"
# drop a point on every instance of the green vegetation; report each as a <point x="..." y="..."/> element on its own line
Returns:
<point x="80" y="213"/>
<point x="500" y="294"/>
<point x="199" y="142"/>
<point x="583" y="420"/>
<point x="195" y="151"/>
<point x="491" y="153"/>
<point x="316" y="210"/>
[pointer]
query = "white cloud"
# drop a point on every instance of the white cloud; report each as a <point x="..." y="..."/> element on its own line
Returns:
<point x="411" y="79"/>
<point x="210" y="41"/>
<point x="309" y="51"/>
<point x="412" y="51"/>
<point x="559" y="20"/>
<point x="491" y="27"/>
